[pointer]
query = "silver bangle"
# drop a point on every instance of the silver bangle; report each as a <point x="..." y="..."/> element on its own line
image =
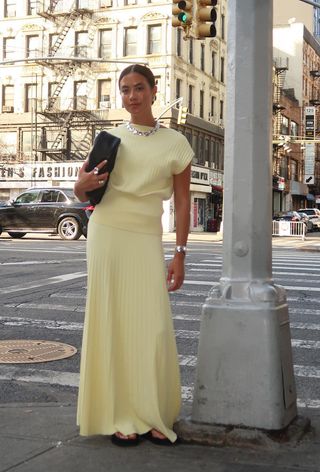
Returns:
<point x="182" y="249"/>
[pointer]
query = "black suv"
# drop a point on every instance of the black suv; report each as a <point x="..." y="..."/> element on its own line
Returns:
<point x="45" y="210"/>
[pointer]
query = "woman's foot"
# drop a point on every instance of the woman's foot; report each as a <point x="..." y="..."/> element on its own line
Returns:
<point x="158" y="438"/>
<point x="120" y="439"/>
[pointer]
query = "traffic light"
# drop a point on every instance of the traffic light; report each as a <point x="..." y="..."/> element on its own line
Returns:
<point x="182" y="116"/>
<point x="182" y="13"/>
<point x="206" y="18"/>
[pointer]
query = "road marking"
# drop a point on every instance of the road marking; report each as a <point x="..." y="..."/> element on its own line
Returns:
<point x="39" y="262"/>
<point x="187" y="396"/>
<point x="54" y="251"/>
<point x="71" y="379"/>
<point x="42" y="283"/>
<point x="287" y="287"/>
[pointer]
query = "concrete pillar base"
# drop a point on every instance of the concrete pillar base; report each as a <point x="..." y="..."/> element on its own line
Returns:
<point x="220" y="436"/>
<point x="245" y="371"/>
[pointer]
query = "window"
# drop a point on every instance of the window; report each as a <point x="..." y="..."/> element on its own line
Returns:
<point x="130" y="2"/>
<point x="202" y="56"/>
<point x="222" y="69"/>
<point x="154" y="39"/>
<point x="80" y="95"/>
<point x="8" y="143"/>
<point x="30" y="96"/>
<point x="221" y="109"/>
<point x="52" y="46"/>
<point x="191" y="50"/>
<point x="32" y="7"/>
<point x="284" y="125"/>
<point x="53" y="101"/>
<point x="223" y="27"/>
<point x="7" y="98"/>
<point x="81" y="43"/>
<point x="294" y="170"/>
<point x="213" y="106"/>
<point x="179" y="42"/>
<point x="8" y="48"/>
<point x="201" y="103"/>
<point x="28" y="197"/>
<point x="130" y="41"/>
<point x="178" y="88"/>
<point x="294" y="128"/>
<point x="32" y="46"/>
<point x="105" y="43"/>
<point x="9" y="8"/>
<point x="104" y="92"/>
<point x="213" y="63"/>
<point x="190" y="99"/>
<point x="49" y="196"/>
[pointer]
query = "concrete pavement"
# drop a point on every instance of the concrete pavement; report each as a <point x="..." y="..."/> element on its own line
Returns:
<point x="44" y="438"/>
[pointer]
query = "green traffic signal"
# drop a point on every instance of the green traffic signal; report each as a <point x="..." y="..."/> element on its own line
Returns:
<point x="183" y="17"/>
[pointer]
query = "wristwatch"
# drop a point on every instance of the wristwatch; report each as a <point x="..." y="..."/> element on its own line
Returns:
<point x="182" y="249"/>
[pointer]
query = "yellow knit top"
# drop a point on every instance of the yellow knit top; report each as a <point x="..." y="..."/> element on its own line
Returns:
<point x="142" y="178"/>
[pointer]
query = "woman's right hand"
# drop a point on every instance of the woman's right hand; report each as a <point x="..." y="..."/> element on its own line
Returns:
<point x="89" y="180"/>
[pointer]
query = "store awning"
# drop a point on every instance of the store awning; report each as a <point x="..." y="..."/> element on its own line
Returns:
<point x="310" y="197"/>
<point x="217" y="188"/>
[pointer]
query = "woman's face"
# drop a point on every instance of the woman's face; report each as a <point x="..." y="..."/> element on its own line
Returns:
<point x="136" y="94"/>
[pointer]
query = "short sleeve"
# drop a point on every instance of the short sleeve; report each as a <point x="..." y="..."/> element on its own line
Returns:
<point x="182" y="154"/>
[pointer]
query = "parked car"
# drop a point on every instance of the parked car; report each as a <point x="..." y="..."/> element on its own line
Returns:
<point x="52" y="210"/>
<point x="314" y="215"/>
<point x="292" y="216"/>
<point x="307" y="220"/>
<point x="288" y="215"/>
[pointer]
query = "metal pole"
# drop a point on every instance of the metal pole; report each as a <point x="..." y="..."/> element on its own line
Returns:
<point x="245" y="371"/>
<point x="310" y="2"/>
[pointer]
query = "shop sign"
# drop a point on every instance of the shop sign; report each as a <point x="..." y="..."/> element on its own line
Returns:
<point x="278" y="183"/>
<point x="39" y="171"/>
<point x="199" y="175"/>
<point x="216" y="178"/>
<point x="284" y="228"/>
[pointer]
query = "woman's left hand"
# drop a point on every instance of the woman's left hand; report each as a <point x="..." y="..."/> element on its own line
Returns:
<point x="175" y="275"/>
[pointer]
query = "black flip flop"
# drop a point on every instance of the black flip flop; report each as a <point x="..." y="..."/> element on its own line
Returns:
<point x="125" y="442"/>
<point x="159" y="441"/>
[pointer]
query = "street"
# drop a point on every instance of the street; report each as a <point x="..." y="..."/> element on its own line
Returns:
<point x="43" y="286"/>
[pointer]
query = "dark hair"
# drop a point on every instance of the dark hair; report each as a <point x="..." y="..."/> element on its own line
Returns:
<point x="139" y="69"/>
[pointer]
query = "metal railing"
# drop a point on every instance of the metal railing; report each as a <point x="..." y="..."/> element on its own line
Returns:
<point x="289" y="228"/>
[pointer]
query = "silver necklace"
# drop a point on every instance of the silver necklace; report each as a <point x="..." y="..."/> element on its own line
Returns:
<point x="137" y="132"/>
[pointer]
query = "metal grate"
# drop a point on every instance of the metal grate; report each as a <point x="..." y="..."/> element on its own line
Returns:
<point x="25" y="351"/>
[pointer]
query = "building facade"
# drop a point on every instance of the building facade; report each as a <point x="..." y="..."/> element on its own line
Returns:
<point x="297" y="67"/>
<point x="59" y="70"/>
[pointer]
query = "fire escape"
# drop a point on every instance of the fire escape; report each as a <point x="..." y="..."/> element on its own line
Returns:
<point x="280" y="68"/>
<point x="75" y="113"/>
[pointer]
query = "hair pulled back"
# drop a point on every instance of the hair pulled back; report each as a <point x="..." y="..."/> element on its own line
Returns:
<point x="139" y="69"/>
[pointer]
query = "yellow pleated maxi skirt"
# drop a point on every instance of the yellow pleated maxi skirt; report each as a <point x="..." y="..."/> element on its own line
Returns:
<point x="129" y="375"/>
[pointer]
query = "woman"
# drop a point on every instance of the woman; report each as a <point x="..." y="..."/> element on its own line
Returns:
<point x="129" y="376"/>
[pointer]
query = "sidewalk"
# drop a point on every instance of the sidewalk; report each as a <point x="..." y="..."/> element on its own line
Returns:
<point x="311" y="242"/>
<point x="44" y="438"/>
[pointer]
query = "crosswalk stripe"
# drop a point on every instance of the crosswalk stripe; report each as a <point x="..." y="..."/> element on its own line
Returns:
<point x="78" y="326"/>
<point x="41" y="283"/>
<point x="71" y="379"/>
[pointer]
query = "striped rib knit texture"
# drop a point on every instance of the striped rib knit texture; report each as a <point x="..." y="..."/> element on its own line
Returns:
<point x="129" y="376"/>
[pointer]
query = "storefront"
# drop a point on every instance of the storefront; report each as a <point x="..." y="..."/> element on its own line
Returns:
<point x="278" y="187"/>
<point x="18" y="177"/>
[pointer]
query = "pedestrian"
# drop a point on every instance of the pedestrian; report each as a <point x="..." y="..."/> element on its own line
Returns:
<point x="129" y="375"/>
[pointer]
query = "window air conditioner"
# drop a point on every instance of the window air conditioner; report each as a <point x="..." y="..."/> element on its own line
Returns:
<point x="106" y="4"/>
<point x="105" y="104"/>
<point x="7" y="109"/>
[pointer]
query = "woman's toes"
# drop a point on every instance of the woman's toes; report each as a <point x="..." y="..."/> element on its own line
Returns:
<point x="157" y="434"/>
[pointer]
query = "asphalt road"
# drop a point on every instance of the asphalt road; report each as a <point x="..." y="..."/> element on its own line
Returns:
<point x="43" y="286"/>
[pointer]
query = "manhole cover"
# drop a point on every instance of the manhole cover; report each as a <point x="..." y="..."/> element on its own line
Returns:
<point x="23" y="351"/>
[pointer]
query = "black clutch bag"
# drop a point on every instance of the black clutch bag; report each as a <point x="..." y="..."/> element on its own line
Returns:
<point x="105" y="147"/>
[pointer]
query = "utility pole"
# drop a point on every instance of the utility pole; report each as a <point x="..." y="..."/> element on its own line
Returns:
<point x="245" y="371"/>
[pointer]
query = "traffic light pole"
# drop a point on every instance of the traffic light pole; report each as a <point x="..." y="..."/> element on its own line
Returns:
<point x="245" y="371"/>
